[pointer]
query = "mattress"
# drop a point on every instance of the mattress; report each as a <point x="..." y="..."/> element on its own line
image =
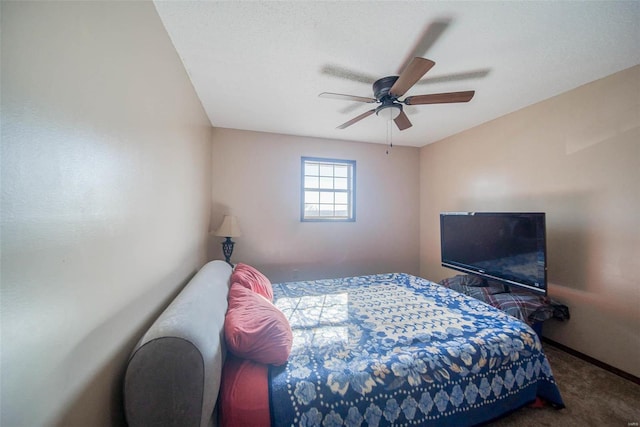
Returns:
<point x="244" y="394"/>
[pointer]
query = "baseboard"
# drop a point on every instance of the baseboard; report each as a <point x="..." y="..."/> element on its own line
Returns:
<point x="593" y="361"/>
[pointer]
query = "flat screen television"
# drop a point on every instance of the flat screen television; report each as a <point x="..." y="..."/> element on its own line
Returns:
<point x="504" y="247"/>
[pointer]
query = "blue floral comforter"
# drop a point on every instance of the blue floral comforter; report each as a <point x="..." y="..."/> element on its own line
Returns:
<point x="394" y="349"/>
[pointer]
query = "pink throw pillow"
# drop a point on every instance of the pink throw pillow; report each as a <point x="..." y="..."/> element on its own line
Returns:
<point x="252" y="279"/>
<point x="256" y="329"/>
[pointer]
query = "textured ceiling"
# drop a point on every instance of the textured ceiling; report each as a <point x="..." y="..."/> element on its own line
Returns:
<point x="261" y="65"/>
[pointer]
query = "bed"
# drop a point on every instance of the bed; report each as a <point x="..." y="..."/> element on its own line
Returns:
<point x="387" y="349"/>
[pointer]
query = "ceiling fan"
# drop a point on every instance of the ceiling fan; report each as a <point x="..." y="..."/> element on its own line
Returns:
<point x="387" y="92"/>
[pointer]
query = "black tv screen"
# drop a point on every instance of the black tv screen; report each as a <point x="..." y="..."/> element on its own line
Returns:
<point x="504" y="247"/>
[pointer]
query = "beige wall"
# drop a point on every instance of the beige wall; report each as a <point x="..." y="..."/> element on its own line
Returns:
<point x="106" y="189"/>
<point x="256" y="176"/>
<point x="577" y="158"/>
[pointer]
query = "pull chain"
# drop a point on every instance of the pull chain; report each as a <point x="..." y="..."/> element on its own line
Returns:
<point x="389" y="135"/>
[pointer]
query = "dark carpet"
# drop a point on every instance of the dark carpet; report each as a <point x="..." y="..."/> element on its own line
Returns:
<point x="592" y="395"/>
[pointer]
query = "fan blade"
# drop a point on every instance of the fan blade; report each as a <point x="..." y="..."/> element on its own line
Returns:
<point x="353" y="106"/>
<point x="456" y="77"/>
<point x="414" y="71"/>
<point x="428" y="38"/>
<point x="440" y="98"/>
<point x="344" y="97"/>
<point x="345" y="73"/>
<point x="402" y="121"/>
<point x="356" y="119"/>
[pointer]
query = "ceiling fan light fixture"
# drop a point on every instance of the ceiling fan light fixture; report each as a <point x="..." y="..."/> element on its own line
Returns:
<point x="389" y="111"/>
<point x="389" y="89"/>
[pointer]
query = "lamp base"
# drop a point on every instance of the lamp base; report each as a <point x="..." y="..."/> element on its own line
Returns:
<point x="227" y="250"/>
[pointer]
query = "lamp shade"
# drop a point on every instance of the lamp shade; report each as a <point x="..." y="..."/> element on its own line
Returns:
<point x="389" y="112"/>
<point x="229" y="227"/>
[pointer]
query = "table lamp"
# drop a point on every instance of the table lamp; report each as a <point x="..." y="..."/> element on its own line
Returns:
<point x="228" y="229"/>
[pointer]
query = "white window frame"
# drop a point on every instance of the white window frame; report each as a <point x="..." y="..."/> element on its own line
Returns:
<point x="327" y="192"/>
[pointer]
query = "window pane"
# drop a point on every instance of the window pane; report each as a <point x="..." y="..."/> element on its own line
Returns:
<point x="326" y="197"/>
<point x="326" y="210"/>
<point x="326" y="182"/>
<point x="342" y="198"/>
<point x="342" y="210"/>
<point x="341" y="170"/>
<point x="341" y="183"/>
<point x="312" y="169"/>
<point x="311" y="197"/>
<point x="311" y="182"/>
<point x="311" y="210"/>
<point x="326" y="170"/>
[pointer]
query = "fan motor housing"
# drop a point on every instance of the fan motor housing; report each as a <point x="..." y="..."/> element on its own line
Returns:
<point x="382" y="86"/>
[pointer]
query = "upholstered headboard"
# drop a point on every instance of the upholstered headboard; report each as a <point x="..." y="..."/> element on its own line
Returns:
<point x="173" y="375"/>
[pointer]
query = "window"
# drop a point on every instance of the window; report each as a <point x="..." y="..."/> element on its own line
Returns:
<point x="328" y="190"/>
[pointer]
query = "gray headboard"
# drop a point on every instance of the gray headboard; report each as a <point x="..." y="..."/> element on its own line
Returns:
<point x="173" y="375"/>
